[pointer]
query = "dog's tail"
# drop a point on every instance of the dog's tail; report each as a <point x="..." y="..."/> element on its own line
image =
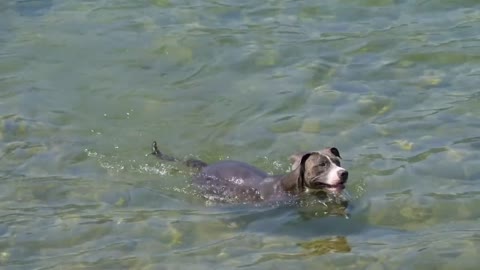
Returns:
<point x="193" y="163"/>
<point x="161" y="155"/>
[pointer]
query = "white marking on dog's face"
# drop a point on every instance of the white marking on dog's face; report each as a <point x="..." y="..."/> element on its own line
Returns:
<point x="333" y="177"/>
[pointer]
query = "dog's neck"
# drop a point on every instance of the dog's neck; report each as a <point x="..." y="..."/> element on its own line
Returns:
<point x="292" y="182"/>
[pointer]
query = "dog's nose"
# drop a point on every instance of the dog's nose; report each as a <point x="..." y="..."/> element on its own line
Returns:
<point x="343" y="175"/>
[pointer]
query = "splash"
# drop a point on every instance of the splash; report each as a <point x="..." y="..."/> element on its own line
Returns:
<point x="116" y="165"/>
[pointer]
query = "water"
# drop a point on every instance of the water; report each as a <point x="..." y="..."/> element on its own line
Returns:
<point x="86" y="86"/>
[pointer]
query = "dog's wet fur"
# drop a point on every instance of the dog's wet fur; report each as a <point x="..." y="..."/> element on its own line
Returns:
<point x="311" y="171"/>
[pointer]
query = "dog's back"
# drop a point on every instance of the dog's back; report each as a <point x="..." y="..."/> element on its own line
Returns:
<point x="232" y="180"/>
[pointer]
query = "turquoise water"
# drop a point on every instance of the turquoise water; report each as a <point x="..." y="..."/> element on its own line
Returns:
<point x="86" y="86"/>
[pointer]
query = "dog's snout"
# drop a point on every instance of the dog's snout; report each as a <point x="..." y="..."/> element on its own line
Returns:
<point x="343" y="175"/>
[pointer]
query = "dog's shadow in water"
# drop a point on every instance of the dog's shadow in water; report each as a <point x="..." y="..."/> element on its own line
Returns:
<point x="298" y="216"/>
<point x="316" y="225"/>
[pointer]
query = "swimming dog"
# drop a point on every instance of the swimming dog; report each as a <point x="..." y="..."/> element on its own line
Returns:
<point x="311" y="171"/>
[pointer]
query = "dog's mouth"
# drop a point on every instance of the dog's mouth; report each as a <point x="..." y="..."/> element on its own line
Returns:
<point x="325" y="186"/>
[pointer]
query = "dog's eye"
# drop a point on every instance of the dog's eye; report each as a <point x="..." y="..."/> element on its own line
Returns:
<point x="323" y="164"/>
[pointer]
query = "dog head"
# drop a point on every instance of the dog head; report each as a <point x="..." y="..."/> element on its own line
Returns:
<point x="320" y="170"/>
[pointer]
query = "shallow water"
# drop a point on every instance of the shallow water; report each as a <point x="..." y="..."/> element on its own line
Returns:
<point x="86" y="86"/>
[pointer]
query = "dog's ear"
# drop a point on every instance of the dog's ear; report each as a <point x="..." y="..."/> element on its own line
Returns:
<point x="298" y="171"/>
<point x="334" y="151"/>
<point x="296" y="160"/>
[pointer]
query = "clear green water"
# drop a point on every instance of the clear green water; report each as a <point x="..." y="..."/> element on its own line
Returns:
<point x="86" y="86"/>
